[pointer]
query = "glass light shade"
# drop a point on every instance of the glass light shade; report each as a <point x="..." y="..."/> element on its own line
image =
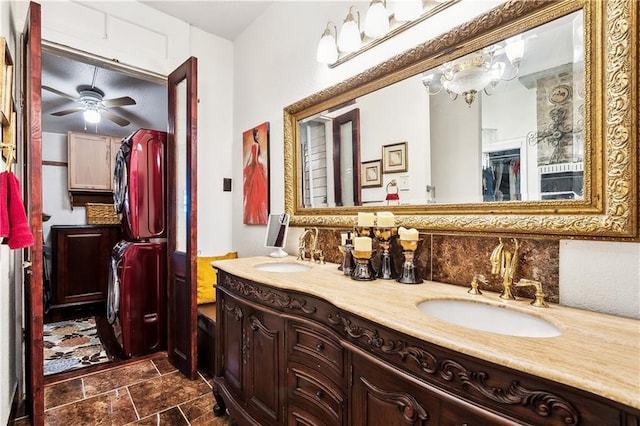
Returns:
<point x="468" y="79"/>
<point x="497" y="71"/>
<point x="91" y="116"/>
<point x="327" y="49"/>
<point x="349" y="37"/>
<point x="514" y="49"/>
<point x="407" y="10"/>
<point x="376" y="24"/>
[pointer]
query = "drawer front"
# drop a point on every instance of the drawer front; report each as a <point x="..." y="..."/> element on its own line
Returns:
<point x="316" y="349"/>
<point x="299" y="416"/>
<point x="308" y="388"/>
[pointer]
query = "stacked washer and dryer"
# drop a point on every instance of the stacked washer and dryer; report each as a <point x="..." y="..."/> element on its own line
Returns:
<point x="136" y="305"/>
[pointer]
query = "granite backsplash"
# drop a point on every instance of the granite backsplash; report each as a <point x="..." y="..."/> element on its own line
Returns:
<point x="455" y="259"/>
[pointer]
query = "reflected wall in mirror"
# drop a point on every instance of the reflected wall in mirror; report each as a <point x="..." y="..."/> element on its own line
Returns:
<point x="509" y="126"/>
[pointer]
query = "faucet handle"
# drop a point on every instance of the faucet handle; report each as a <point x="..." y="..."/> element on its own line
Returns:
<point x="474" y="284"/>
<point x="538" y="300"/>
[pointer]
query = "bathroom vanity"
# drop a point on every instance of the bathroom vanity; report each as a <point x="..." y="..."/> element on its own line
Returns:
<point x="311" y="347"/>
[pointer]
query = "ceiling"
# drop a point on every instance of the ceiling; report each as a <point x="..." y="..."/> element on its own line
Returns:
<point x="226" y="19"/>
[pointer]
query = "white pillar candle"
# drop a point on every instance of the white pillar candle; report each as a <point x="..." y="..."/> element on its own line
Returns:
<point x="386" y="220"/>
<point x="365" y="219"/>
<point x="362" y="244"/>
<point x="343" y="238"/>
<point x="408" y="234"/>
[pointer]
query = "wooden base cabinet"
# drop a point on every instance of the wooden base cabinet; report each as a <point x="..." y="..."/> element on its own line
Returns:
<point x="80" y="258"/>
<point x="289" y="358"/>
<point x="251" y="340"/>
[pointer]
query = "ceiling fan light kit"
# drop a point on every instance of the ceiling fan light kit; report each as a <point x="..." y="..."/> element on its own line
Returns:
<point x="92" y="104"/>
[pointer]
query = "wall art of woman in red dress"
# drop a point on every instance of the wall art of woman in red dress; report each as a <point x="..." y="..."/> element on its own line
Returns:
<point x="256" y="175"/>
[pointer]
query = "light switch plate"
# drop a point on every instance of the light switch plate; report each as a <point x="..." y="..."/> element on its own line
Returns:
<point x="403" y="183"/>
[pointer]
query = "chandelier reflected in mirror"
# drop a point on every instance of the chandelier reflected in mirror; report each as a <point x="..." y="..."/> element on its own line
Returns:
<point x="477" y="71"/>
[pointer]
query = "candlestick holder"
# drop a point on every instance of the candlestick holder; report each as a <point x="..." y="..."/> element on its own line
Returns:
<point x="386" y="269"/>
<point x="363" y="270"/>
<point x="363" y="231"/>
<point x="347" y="259"/>
<point x="408" y="275"/>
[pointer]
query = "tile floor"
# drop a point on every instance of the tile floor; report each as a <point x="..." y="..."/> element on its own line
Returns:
<point x="148" y="392"/>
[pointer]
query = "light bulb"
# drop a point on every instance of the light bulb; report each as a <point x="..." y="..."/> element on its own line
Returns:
<point x="377" y="21"/>
<point x="349" y="39"/>
<point x="514" y="49"/>
<point x="327" y="49"/>
<point x="407" y="10"/>
<point x="91" y="116"/>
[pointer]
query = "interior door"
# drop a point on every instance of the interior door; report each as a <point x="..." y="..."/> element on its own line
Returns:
<point x="32" y="160"/>
<point x="182" y="217"/>
<point x="346" y="158"/>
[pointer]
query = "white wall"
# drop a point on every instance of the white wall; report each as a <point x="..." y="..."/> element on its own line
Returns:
<point x="275" y="66"/>
<point x="55" y="195"/>
<point x="215" y="142"/>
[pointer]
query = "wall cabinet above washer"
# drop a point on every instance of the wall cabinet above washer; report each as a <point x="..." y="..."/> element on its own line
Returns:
<point x="91" y="161"/>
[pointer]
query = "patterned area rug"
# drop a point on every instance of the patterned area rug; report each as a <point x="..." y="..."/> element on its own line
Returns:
<point x="73" y="344"/>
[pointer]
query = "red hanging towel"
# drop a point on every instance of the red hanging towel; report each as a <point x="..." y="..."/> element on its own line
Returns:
<point x="4" y="206"/>
<point x="20" y="235"/>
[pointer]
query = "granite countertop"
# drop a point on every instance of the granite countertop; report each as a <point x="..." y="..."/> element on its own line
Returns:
<point x="596" y="352"/>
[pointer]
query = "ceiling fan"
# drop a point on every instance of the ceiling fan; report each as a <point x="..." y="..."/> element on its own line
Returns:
<point x="92" y="103"/>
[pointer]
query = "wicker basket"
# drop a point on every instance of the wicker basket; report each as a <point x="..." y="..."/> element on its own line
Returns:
<point x="101" y="214"/>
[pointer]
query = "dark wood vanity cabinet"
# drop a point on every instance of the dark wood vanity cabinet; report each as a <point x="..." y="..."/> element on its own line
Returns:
<point x="251" y="351"/>
<point x="80" y="263"/>
<point x="285" y="357"/>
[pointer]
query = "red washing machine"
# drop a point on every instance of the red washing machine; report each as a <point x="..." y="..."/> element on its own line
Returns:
<point x="139" y="184"/>
<point x="136" y="300"/>
<point x="136" y="305"/>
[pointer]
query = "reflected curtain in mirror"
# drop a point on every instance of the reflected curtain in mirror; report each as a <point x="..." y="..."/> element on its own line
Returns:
<point x="255" y="175"/>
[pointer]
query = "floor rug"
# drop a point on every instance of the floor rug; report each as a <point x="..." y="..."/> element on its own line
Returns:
<point x="73" y="344"/>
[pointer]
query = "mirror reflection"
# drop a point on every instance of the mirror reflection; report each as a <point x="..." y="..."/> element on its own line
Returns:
<point x="504" y="123"/>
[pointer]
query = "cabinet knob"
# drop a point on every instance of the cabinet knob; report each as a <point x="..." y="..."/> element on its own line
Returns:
<point x="319" y="347"/>
<point x="319" y="393"/>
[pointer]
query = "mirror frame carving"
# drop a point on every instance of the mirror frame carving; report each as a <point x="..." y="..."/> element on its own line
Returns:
<point x="609" y="209"/>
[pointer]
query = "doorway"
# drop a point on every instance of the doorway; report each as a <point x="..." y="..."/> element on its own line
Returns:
<point x="79" y="232"/>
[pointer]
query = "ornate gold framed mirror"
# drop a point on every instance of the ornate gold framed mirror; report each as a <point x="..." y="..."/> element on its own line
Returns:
<point x="521" y="121"/>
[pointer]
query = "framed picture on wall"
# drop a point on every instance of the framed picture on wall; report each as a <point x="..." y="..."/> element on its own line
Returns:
<point x="255" y="174"/>
<point x="394" y="158"/>
<point x="371" y="173"/>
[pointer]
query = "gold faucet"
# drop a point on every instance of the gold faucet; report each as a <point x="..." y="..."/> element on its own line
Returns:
<point x="504" y="262"/>
<point x="474" y="284"/>
<point x="538" y="301"/>
<point x="311" y="250"/>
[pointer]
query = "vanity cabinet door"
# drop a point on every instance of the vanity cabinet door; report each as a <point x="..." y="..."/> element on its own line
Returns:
<point x="231" y="317"/>
<point x="264" y="363"/>
<point x="251" y="339"/>
<point x="382" y="395"/>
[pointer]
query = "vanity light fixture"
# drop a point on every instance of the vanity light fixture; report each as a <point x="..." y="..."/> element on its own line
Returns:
<point x="327" y="49"/>
<point x="379" y="25"/>
<point x="376" y="23"/>
<point x="477" y="71"/>
<point x="349" y="37"/>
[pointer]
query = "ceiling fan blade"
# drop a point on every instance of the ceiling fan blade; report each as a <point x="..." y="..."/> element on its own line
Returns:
<point x="115" y="118"/>
<point x="59" y="93"/>
<point x="116" y="102"/>
<point x="67" y="111"/>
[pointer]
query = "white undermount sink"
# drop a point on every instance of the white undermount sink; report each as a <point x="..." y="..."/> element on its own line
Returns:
<point x="498" y="319"/>
<point x="282" y="267"/>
